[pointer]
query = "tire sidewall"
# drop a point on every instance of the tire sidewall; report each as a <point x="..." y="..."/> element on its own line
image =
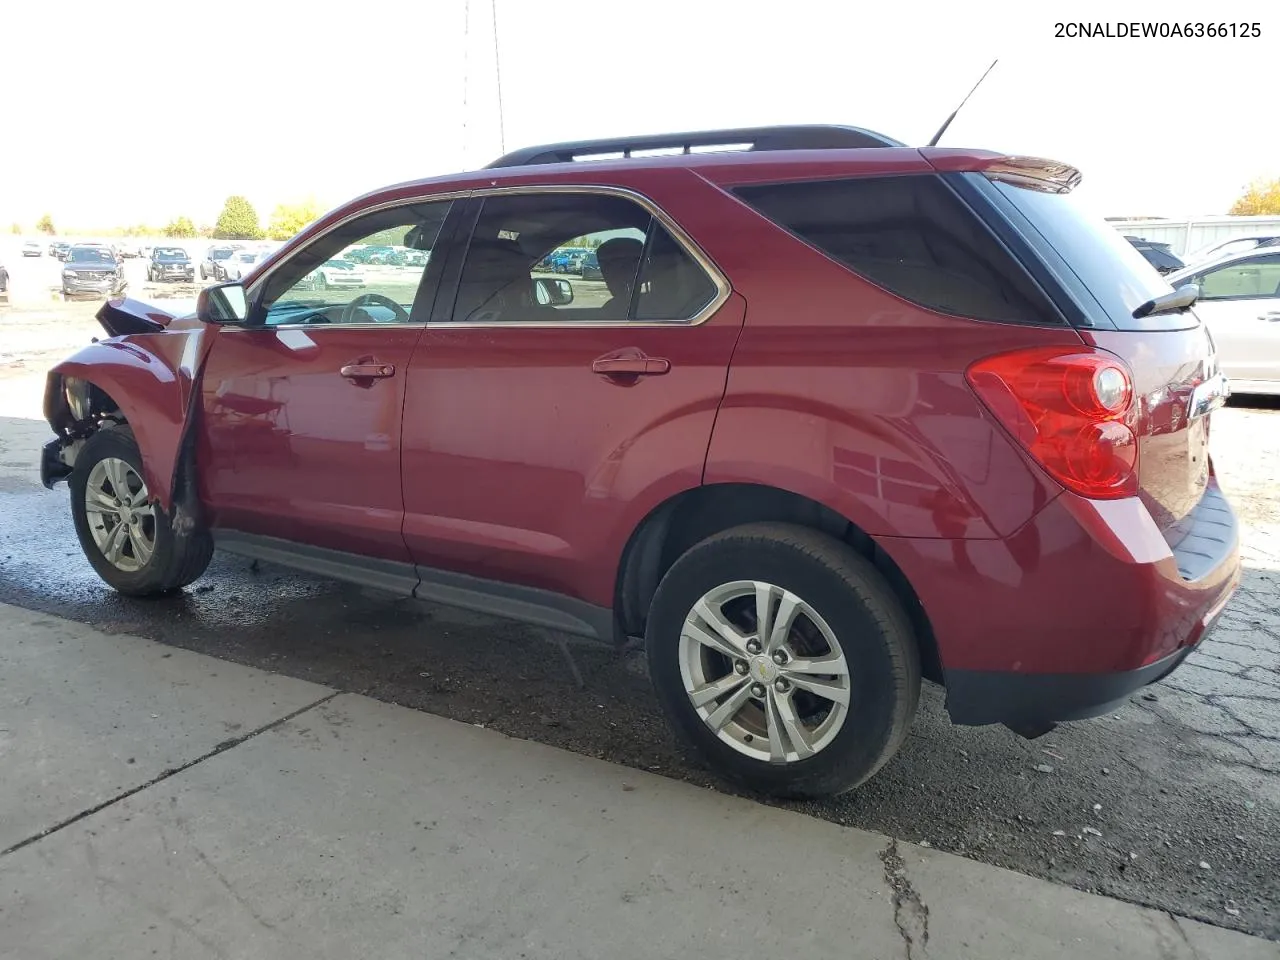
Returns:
<point x="111" y="442"/>
<point x="872" y="724"/>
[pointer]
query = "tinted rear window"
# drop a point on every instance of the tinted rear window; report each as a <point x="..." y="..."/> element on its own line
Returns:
<point x="912" y="236"/>
<point x="1116" y="273"/>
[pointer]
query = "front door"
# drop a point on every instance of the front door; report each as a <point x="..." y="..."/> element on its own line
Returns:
<point x="571" y="385"/>
<point x="300" y="433"/>
<point x="1240" y="304"/>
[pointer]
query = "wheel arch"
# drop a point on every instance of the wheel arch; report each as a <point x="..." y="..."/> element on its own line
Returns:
<point x="691" y="516"/>
<point x="134" y="386"/>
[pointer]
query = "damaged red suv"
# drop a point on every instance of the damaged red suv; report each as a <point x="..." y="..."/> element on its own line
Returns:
<point x="815" y="414"/>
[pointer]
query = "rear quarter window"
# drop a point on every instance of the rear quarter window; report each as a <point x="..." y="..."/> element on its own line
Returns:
<point x="912" y="236"/>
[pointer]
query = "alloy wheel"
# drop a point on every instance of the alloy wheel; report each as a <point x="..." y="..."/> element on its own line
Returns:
<point x="121" y="520"/>
<point x="764" y="671"/>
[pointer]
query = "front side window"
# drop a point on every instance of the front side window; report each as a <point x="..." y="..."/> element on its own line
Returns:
<point x="576" y="257"/>
<point x="336" y="280"/>
<point x="1252" y="279"/>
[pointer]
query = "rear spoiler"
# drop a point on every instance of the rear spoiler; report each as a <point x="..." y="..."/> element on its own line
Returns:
<point x="1033" y="173"/>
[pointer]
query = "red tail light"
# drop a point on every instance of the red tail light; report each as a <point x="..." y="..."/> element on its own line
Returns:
<point x="1072" y="408"/>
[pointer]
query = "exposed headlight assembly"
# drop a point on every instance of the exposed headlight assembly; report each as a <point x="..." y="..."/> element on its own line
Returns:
<point x="77" y="393"/>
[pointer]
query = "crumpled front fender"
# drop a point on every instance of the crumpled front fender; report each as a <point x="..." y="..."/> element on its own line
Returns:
<point x="150" y="377"/>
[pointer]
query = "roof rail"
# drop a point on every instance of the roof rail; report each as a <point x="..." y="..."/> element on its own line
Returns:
<point x="809" y="137"/>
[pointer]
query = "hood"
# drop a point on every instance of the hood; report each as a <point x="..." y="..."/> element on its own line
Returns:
<point x="180" y="261"/>
<point x="127" y="316"/>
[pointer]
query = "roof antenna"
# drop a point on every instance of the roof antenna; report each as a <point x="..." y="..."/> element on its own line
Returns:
<point x="943" y="129"/>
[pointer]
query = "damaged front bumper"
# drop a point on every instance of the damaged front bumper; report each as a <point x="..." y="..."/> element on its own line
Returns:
<point x="53" y="468"/>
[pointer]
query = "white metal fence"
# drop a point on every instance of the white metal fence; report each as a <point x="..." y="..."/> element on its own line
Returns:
<point x="1186" y="236"/>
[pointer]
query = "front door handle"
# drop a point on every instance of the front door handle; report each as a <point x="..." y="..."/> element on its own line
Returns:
<point x="1273" y="316"/>
<point x="368" y="371"/>
<point x="631" y="366"/>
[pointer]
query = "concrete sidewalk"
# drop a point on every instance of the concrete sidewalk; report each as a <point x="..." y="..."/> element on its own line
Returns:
<point x="156" y="802"/>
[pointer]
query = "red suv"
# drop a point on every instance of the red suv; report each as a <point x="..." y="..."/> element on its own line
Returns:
<point x="837" y="414"/>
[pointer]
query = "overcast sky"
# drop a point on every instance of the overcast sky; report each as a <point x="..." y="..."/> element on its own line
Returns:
<point x="115" y="113"/>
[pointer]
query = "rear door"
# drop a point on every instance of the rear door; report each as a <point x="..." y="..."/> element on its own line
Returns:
<point x="545" y="410"/>
<point x="1240" y="303"/>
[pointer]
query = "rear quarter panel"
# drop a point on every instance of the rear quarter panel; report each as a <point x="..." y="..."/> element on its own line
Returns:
<point x="851" y="396"/>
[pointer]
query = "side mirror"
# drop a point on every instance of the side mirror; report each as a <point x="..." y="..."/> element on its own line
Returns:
<point x="222" y="303"/>
<point x="553" y="291"/>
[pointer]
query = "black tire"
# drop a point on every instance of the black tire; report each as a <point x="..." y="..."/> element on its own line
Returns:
<point x="857" y="603"/>
<point x="178" y="558"/>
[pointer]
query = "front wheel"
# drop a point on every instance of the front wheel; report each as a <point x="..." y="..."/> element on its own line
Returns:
<point x="784" y="658"/>
<point x="125" y="536"/>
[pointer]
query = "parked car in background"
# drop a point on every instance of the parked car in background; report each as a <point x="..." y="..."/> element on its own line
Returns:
<point x="1159" y="255"/>
<point x="213" y="257"/>
<point x="170" y="263"/>
<point x="889" y="414"/>
<point x="589" y="267"/>
<point x="241" y="264"/>
<point x="336" y="274"/>
<point x="4" y="280"/>
<point x="32" y="249"/>
<point x="129" y="249"/>
<point x="92" y="269"/>
<point x="371" y="255"/>
<point x="59" y="249"/>
<point x="1239" y="302"/>
<point x="1216" y="251"/>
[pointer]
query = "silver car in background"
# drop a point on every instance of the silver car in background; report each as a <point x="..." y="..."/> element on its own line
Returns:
<point x="1240" y="304"/>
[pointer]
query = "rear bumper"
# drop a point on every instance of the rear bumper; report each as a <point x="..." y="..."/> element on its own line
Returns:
<point x="979" y="697"/>
<point x="1085" y="604"/>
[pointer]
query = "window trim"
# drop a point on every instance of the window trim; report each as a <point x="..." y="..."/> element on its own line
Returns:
<point x="686" y="243"/>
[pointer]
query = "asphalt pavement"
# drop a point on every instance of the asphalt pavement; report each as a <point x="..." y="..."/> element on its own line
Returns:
<point x="1173" y="802"/>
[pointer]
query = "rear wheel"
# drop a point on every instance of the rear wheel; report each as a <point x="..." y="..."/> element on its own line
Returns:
<point x="125" y="536"/>
<point x="784" y="658"/>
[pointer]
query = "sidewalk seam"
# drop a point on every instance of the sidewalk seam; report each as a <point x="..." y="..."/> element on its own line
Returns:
<point x="222" y="747"/>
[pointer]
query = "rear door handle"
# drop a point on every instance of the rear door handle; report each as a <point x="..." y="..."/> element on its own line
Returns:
<point x="631" y="366"/>
<point x="1273" y="316"/>
<point x="368" y="371"/>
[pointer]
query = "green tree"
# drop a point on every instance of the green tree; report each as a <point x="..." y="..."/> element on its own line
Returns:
<point x="289" y="219"/>
<point x="1262" y="197"/>
<point x="180" y="227"/>
<point x="238" y="221"/>
<point x="45" y="225"/>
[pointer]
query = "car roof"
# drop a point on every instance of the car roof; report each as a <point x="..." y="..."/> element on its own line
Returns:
<point x="759" y="154"/>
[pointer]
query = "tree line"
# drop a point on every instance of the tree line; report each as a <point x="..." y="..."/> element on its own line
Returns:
<point x="237" y="221"/>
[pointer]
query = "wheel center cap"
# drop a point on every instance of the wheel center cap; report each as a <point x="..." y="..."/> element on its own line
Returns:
<point x="763" y="670"/>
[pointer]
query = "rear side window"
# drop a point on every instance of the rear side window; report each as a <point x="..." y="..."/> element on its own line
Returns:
<point x="912" y="236"/>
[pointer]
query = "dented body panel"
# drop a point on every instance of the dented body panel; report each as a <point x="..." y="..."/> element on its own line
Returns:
<point x="148" y="374"/>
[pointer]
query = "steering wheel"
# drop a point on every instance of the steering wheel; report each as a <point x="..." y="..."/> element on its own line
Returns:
<point x="349" y="311"/>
